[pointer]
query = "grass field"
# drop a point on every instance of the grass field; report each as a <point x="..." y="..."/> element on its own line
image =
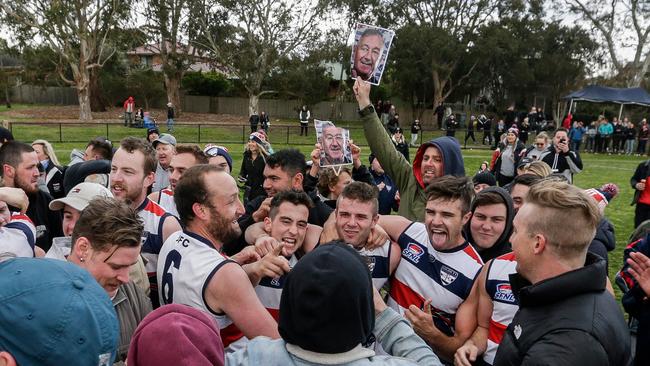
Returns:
<point x="599" y="169"/>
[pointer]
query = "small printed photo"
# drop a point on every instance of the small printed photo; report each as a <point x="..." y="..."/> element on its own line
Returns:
<point x="370" y="52"/>
<point x="334" y="142"/>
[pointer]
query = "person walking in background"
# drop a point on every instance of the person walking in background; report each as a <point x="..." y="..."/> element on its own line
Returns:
<point x="486" y="125"/>
<point x="129" y="108"/>
<point x="170" y="118"/>
<point x="265" y="122"/>
<point x="254" y="120"/>
<point x="452" y="125"/>
<point x="523" y="131"/>
<point x="305" y="115"/>
<point x="415" y="131"/>
<point x="470" y="130"/>
<point x="644" y="132"/>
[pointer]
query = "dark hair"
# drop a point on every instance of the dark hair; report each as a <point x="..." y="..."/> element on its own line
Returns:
<point x="526" y="179"/>
<point x="328" y="177"/>
<point x="452" y="188"/>
<point x="102" y="146"/>
<point x="191" y="189"/>
<point x="11" y="153"/>
<point x="291" y="161"/>
<point x="292" y="196"/>
<point x="362" y="192"/>
<point x="193" y="149"/>
<point x="131" y="144"/>
<point x="561" y="129"/>
<point x="484" y="198"/>
<point x="106" y="222"/>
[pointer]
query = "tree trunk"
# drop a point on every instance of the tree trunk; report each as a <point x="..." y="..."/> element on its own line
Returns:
<point x="253" y="103"/>
<point x="173" y="86"/>
<point x="97" y="103"/>
<point x="85" y="113"/>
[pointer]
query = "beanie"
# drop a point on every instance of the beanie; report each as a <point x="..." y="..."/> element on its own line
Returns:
<point x="327" y="301"/>
<point x="176" y="334"/>
<point x="484" y="178"/>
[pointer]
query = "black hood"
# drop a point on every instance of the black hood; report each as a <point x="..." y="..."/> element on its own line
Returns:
<point x="502" y="245"/>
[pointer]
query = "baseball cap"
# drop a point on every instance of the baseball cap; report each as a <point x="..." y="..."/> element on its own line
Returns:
<point x="166" y="139"/>
<point x="53" y="312"/>
<point x="80" y="196"/>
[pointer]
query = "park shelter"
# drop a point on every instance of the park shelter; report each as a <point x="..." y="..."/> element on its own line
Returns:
<point x="605" y="94"/>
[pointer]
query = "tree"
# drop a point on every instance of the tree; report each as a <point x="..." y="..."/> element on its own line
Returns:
<point x="145" y="84"/>
<point x="612" y="20"/>
<point x="76" y="30"/>
<point x="250" y="37"/>
<point x="169" y="23"/>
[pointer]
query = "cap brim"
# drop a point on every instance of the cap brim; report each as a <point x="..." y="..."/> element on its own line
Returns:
<point x="74" y="202"/>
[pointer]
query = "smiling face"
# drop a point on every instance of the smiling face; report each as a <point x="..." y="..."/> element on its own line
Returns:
<point x="164" y="154"/>
<point x="224" y="206"/>
<point x="432" y="165"/>
<point x="487" y="224"/>
<point x="332" y="141"/>
<point x="288" y="226"/>
<point x="128" y="181"/>
<point x="70" y="217"/>
<point x="444" y="221"/>
<point x="179" y="164"/>
<point x="367" y="53"/>
<point x="355" y="220"/>
<point x="277" y="180"/>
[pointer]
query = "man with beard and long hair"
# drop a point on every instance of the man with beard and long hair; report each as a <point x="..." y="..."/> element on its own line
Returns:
<point x="193" y="271"/>
<point x="20" y="170"/>
<point x="132" y="172"/>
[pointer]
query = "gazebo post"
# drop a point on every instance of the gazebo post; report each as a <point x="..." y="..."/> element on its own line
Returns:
<point x="620" y="112"/>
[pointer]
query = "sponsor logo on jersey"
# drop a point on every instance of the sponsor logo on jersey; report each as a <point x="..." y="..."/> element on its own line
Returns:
<point x="504" y="293"/>
<point x="413" y="252"/>
<point x="447" y="275"/>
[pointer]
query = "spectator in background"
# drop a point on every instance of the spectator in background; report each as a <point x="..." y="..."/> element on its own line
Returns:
<point x="129" y="108"/>
<point x="644" y="133"/>
<point x="53" y="171"/>
<point x="400" y="143"/>
<point x="331" y="184"/>
<point x="440" y="114"/>
<point x="415" y="132"/>
<point x="486" y="125"/>
<point x="524" y="127"/>
<point x="393" y="124"/>
<point x="507" y="157"/>
<point x="499" y="129"/>
<point x="630" y="137"/>
<point x="560" y="158"/>
<point x="98" y="149"/>
<point x="566" y="123"/>
<point x="605" y="239"/>
<point x="604" y="138"/>
<point x="304" y="117"/>
<point x="388" y="194"/>
<point x="536" y="150"/>
<point x="470" y="130"/>
<point x="252" y="166"/>
<point x="575" y="134"/>
<point x="54" y="313"/>
<point x="5" y="135"/>
<point x="483" y="180"/>
<point x="152" y="134"/>
<point x="19" y="164"/>
<point x="618" y="135"/>
<point x="590" y="142"/>
<point x="170" y="117"/>
<point x="254" y="120"/>
<point x="265" y="122"/>
<point x="452" y="125"/>
<point x="219" y="157"/>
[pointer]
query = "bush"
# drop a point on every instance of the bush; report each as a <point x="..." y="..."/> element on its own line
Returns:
<point x="211" y="83"/>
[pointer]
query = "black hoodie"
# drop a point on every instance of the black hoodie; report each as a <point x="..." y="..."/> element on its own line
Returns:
<point x="502" y="245"/>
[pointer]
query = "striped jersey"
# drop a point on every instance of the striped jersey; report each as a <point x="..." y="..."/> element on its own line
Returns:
<point x="446" y="276"/>
<point x="18" y="237"/>
<point x="166" y="201"/>
<point x="378" y="261"/>
<point x="153" y="216"/>
<point x="497" y="285"/>
<point x="269" y="291"/>
<point x="187" y="264"/>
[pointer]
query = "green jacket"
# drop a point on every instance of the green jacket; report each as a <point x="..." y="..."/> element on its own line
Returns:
<point x="408" y="178"/>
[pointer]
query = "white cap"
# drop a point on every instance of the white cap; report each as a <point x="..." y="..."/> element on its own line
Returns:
<point x="80" y="196"/>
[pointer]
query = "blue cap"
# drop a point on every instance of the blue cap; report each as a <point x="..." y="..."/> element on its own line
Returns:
<point x="215" y="150"/>
<point x="53" y="312"/>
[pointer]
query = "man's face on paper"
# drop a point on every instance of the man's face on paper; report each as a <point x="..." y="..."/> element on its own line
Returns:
<point x="367" y="52"/>
<point x="333" y="143"/>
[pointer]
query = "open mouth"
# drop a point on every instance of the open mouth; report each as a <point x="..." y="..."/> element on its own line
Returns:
<point x="438" y="237"/>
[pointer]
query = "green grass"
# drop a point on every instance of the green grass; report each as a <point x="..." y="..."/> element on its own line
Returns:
<point x="599" y="169"/>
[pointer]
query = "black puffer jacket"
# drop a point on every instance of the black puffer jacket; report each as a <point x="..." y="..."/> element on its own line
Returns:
<point x="566" y="320"/>
<point x="604" y="241"/>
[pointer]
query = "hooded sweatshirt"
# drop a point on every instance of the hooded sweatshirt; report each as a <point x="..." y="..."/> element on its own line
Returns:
<point x="409" y="179"/>
<point x="502" y="245"/>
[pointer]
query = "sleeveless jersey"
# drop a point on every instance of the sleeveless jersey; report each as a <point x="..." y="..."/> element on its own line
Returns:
<point x="378" y="261"/>
<point x="152" y="217"/>
<point x="497" y="285"/>
<point x="18" y="237"/>
<point x="269" y="291"/>
<point x="187" y="264"/>
<point x="446" y="277"/>
<point x="166" y="201"/>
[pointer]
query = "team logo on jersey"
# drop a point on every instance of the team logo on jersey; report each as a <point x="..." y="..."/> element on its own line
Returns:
<point x="517" y="331"/>
<point x="413" y="252"/>
<point x="447" y="275"/>
<point x="275" y="282"/>
<point x="370" y="262"/>
<point x="504" y="293"/>
<point x="145" y="236"/>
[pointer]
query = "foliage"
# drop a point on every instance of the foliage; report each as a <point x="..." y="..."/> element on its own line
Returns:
<point x="210" y="83"/>
<point x="145" y="85"/>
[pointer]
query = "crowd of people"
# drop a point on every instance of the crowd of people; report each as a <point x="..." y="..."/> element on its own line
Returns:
<point x="151" y="258"/>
